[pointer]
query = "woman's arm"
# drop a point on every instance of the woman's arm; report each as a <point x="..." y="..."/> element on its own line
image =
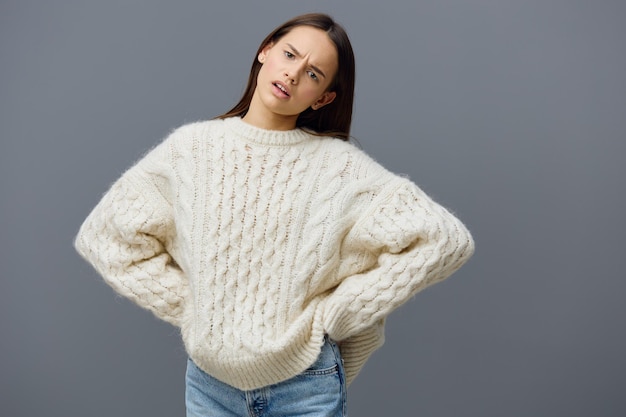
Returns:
<point x="125" y="239"/>
<point x="416" y="243"/>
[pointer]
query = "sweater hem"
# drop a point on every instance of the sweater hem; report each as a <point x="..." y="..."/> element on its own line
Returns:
<point x="260" y="369"/>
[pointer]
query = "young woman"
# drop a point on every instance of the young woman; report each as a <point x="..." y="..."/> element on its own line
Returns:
<point x="277" y="247"/>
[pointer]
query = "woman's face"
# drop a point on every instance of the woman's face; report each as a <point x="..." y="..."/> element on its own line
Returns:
<point x="296" y="73"/>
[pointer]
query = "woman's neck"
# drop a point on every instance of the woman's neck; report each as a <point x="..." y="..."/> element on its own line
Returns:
<point x="261" y="117"/>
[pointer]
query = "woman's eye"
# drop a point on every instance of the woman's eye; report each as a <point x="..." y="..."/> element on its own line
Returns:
<point x="289" y="54"/>
<point x="312" y="75"/>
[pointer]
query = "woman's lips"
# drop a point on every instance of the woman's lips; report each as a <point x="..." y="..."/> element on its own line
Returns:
<point x="280" y="89"/>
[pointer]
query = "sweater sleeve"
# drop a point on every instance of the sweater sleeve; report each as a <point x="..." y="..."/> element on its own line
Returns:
<point x="415" y="243"/>
<point x="125" y="239"/>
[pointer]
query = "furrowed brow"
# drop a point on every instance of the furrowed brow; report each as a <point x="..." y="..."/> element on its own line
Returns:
<point x="299" y="55"/>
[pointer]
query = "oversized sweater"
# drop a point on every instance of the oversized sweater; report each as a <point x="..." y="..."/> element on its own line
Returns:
<point x="257" y="243"/>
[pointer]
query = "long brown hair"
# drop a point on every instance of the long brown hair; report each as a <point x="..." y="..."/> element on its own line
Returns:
<point x="335" y="118"/>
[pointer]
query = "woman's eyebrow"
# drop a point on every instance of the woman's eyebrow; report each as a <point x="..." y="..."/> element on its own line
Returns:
<point x="299" y="55"/>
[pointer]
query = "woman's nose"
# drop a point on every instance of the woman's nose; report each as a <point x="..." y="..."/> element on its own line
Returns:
<point x="292" y="73"/>
<point x="291" y="77"/>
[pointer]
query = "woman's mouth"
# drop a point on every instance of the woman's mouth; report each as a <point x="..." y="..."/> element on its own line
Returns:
<point x="281" y="89"/>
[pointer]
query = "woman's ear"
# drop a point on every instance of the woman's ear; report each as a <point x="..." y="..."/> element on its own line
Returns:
<point x="325" y="99"/>
<point x="264" y="51"/>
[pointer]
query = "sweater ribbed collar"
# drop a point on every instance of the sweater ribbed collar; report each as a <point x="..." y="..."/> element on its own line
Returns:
<point x="265" y="136"/>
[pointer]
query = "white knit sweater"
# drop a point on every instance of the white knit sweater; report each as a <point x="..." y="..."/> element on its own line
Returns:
<point x="256" y="243"/>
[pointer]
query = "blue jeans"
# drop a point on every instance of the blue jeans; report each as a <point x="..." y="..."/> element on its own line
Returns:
<point x="320" y="391"/>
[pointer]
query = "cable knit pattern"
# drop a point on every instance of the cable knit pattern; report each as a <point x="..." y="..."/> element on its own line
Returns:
<point x="256" y="243"/>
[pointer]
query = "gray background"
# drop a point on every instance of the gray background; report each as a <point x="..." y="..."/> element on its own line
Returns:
<point x="512" y="113"/>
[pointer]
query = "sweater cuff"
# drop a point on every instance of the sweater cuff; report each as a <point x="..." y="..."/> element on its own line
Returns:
<point x="340" y="323"/>
<point x="356" y="350"/>
<point x="335" y="324"/>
